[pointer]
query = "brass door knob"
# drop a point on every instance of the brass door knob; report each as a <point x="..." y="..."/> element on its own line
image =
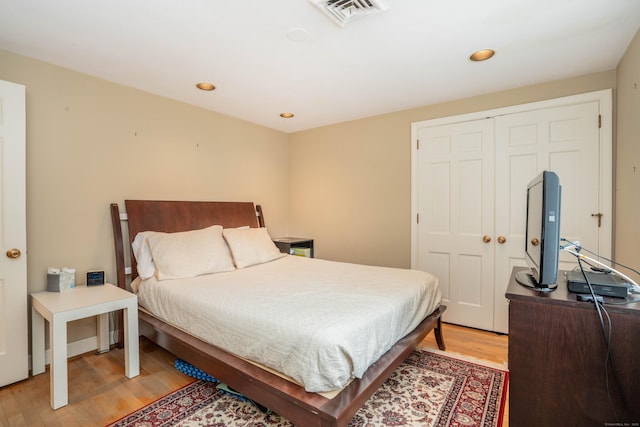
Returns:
<point x="535" y="241"/>
<point x="486" y="238"/>
<point x="501" y="239"/>
<point x="13" y="253"/>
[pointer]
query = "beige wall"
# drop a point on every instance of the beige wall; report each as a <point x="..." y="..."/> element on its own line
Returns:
<point x="91" y="142"/>
<point x="627" y="194"/>
<point x="351" y="182"/>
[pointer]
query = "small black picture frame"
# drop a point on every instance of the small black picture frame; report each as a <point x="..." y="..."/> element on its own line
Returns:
<point x="95" y="278"/>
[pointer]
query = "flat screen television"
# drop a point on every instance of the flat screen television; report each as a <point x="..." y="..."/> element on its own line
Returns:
<point x="542" y="239"/>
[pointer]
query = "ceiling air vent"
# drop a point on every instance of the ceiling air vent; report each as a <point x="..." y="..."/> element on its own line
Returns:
<point x="343" y="12"/>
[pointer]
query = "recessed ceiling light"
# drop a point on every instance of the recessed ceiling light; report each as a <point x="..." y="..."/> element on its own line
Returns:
<point x="482" y="55"/>
<point x="298" y="35"/>
<point x="287" y="115"/>
<point x="205" y="86"/>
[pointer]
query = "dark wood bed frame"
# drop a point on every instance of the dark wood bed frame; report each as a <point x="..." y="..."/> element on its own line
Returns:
<point x="282" y="396"/>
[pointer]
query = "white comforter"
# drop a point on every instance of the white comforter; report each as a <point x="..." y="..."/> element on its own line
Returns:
<point x="319" y="322"/>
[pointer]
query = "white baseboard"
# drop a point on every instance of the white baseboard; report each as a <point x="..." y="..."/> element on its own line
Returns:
<point x="77" y="348"/>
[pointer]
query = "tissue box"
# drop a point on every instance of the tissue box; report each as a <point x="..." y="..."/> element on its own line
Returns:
<point x="53" y="282"/>
<point x="60" y="280"/>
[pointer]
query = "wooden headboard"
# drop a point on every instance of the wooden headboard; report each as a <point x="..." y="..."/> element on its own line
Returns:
<point x="174" y="216"/>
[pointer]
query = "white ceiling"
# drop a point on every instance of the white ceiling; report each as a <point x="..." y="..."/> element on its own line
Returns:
<point x="412" y="55"/>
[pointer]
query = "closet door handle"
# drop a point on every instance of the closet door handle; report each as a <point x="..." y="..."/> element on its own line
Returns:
<point x="486" y="238"/>
<point x="502" y="239"/>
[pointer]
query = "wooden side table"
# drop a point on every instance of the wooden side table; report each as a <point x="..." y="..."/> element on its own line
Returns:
<point x="78" y="303"/>
<point x="285" y="244"/>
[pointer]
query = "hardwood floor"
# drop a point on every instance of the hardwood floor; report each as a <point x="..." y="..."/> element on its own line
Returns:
<point x="99" y="393"/>
<point x="473" y="343"/>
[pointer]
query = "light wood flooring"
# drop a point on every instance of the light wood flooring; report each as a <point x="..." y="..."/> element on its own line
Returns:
<point x="99" y="393"/>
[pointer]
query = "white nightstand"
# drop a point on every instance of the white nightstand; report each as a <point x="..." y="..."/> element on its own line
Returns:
<point x="73" y="304"/>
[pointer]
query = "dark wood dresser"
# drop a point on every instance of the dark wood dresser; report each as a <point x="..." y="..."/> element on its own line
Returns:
<point x="557" y="360"/>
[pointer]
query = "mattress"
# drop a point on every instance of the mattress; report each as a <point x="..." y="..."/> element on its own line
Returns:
<point x="321" y="323"/>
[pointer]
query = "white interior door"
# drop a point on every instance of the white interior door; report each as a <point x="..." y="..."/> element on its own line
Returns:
<point x="455" y="184"/>
<point x="14" y="361"/>
<point x="562" y="139"/>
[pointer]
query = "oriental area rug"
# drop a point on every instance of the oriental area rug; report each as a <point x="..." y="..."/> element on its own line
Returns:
<point x="430" y="389"/>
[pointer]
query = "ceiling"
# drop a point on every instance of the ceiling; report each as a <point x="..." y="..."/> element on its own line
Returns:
<point x="272" y="56"/>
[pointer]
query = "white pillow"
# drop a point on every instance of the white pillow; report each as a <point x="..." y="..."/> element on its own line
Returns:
<point x="251" y="246"/>
<point x="190" y="253"/>
<point x="142" y="253"/>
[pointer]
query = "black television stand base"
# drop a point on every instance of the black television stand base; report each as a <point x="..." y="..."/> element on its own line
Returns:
<point x="526" y="279"/>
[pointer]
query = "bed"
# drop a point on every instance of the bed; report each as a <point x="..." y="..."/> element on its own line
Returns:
<point x="283" y="393"/>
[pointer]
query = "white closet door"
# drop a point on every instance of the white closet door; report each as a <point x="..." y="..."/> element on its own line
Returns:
<point x="14" y="360"/>
<point x="455" y="184"/>
<point x="469" y="180"/>
<point x="562" y="139"/>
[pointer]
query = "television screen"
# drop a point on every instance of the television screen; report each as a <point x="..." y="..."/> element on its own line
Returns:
<point x="542" y="232"/>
